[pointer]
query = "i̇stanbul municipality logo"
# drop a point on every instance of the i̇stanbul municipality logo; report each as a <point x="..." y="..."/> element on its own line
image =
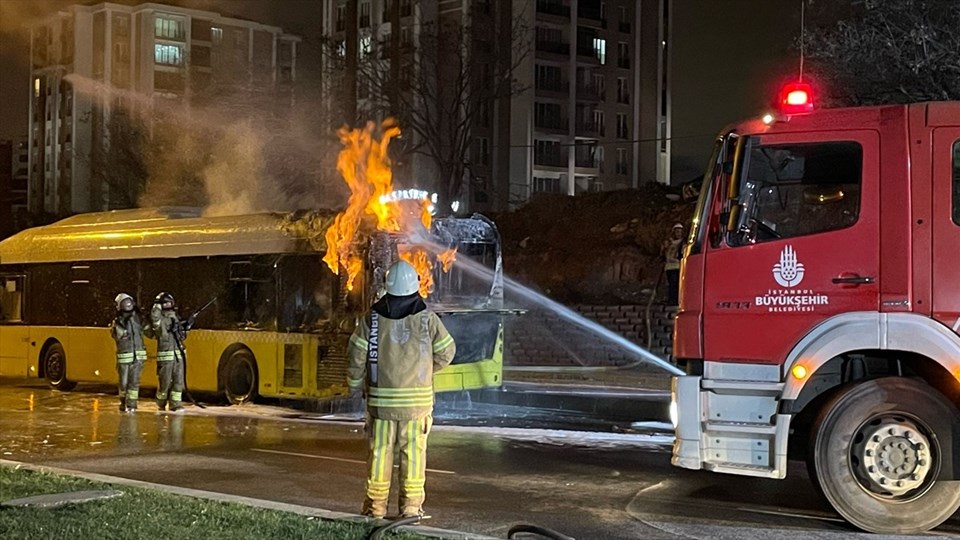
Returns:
<point x="788" y="272"/>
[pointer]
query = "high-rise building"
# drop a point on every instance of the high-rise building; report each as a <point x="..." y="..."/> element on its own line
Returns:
<point x="13" y="185"/>
<point x="89" y="62"/>
<point x="597" y="115"/>
<point x="589" y="109"/>
<point x="442" y="59"/>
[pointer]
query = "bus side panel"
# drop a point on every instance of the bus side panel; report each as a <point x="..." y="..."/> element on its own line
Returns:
<point x="203" y="356"/>
<point x="91" y="355"/>
<point x="14" y="353"/>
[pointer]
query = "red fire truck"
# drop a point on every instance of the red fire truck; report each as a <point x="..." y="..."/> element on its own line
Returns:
<point x="820" y="308"/>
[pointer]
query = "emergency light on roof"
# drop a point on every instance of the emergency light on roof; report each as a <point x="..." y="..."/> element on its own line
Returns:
<point x="796" y="98"/>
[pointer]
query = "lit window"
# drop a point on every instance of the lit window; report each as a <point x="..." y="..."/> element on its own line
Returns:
<point x="600" y="49"/>
<point x="166" y="28"/>
<point x="168" y="55"/>
<point x="217" y="34"/>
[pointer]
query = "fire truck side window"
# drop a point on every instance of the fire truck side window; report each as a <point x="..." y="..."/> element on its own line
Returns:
<point x="797" y="189"/>
<point x="956" y="182"/>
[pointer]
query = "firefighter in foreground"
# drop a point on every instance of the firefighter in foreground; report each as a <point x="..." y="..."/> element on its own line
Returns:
<point x="131" y="350"/>
<point x="169" y="332"/>
<point x="393" y="354"/>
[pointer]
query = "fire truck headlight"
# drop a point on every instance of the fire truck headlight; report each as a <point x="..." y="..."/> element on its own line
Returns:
<point x="767" y="119"/>
<point x="673" y="412"/>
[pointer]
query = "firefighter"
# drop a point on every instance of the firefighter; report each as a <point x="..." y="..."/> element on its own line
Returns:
<point x="394" y="353"/>
<point x="671" y="250"/>
<point x="170" y="333"/>
<point x="131" y="350"/>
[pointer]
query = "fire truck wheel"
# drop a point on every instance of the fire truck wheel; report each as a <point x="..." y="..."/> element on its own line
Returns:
<point x="55" y="367"/>
<point x="238" y="377"/>
<point x="876" y="455"/>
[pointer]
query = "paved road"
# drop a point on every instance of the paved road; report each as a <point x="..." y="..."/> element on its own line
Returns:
<point x="480" y="479"/>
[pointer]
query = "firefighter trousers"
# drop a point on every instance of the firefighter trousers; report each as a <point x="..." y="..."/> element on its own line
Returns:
<point x="128" y="387"/>
<point x="169" y="380"/>
<point x="409" y="439"/>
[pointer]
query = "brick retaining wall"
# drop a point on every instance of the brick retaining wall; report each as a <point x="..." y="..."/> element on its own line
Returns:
<point x="543" y="338"/>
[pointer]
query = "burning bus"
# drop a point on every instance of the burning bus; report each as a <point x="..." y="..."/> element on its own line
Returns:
<point x="289" y="286"/>
<point x="280" y="325"/>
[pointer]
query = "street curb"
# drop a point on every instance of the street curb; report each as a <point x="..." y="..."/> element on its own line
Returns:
<point x="248" y="501"/>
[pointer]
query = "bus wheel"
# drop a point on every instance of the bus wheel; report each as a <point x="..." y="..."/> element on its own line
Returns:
<point x="876" y="455"/>
<point x="238" y="377"/>
<point x="55" y="367"/>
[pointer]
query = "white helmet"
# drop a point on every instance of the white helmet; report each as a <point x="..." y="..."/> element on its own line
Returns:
<point x="124" y="298"/>
<point x="402" y="279"/>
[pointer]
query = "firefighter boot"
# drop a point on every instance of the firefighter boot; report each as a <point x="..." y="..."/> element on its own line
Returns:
<point x="408" y="510"/>
<point x="374" y="509"/>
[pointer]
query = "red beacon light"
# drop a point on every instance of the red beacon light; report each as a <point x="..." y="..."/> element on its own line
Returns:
<point x="796" y="98"/>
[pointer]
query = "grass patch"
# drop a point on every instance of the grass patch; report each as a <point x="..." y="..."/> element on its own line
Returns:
<point x="145" y="513"/>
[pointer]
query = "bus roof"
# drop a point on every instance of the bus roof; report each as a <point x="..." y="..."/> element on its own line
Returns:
<point x="169" y="232"/>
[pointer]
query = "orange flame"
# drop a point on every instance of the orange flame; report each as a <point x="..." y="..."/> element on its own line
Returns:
<point x="447" y="258"/>
<point x="364" y="165"/>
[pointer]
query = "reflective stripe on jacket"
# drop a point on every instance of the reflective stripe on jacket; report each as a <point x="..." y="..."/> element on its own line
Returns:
<point x="128" y="334"/>
<point x="409" y="351"/>
<point x="163" y="321"/>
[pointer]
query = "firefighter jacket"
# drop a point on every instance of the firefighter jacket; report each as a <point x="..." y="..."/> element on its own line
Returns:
<point x="393" y="354"/>
<point x="167" y="329"/>
<point x="128" y="333"/>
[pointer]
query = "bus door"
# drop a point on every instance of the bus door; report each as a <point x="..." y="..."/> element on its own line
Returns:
<point x="14" y="335"/>
<point x="946" y="226"/>
<point x="800" y="243"/>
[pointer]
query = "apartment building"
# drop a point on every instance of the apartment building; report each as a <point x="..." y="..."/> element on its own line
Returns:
<point x="13" y="185"/>
<point x="598" y="109"/>
<point x="92" y="63"/>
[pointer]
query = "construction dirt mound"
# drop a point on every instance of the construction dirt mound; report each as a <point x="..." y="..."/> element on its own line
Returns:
<point x="599" y="248"/>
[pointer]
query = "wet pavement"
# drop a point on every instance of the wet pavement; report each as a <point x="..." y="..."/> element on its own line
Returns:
<point x="482" y="478"/>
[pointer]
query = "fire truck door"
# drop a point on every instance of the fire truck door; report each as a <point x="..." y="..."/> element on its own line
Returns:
<point x="946" y="226"/>
<point x="801" y="243"/>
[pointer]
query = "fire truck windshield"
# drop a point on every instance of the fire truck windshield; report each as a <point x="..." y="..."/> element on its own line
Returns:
<point x="794" y="190"/>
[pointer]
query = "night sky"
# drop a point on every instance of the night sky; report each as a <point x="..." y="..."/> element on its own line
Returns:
<point x="301" y="17"/>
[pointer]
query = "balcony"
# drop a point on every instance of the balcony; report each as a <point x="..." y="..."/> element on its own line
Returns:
<point x="550" y="159"/>
<point x="588" y="53"/>
<point x="587" y="162"/>
<point x="590" y="17"/>
<point x="590" y="92"/>
<point x="553" y="89"/>
<point x="555" y="123"/>
<point x="553" y="47"/>
<point x="589" y="129"/>
<point x="548" y="7"/>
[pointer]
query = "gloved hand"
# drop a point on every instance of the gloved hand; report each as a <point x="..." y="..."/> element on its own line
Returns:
<point x="158" y="299"/>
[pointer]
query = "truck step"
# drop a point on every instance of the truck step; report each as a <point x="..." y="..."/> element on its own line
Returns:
<point x="761" y="471"/>
<point x="751" y="428"/>
<point x="742" y="387"/>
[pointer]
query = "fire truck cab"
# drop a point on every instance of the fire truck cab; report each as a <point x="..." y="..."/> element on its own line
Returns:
<point x="820" y="309"/>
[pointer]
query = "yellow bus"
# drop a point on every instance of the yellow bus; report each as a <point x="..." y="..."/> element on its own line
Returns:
<point x="281" y="321"/>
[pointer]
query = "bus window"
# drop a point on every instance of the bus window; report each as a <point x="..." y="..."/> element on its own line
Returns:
<point x="306" y="293"/>
<point x="11" y="299"/>
<point x="251" y="299"/>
